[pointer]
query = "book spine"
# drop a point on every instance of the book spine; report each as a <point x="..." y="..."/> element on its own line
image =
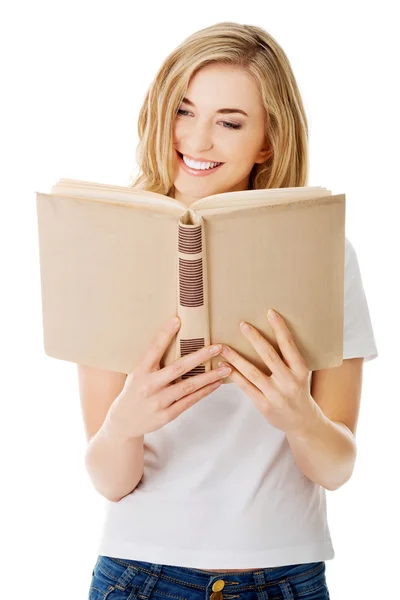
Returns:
<point x="192" y="291"/>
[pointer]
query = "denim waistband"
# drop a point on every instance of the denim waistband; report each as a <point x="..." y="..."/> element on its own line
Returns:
<point x="202" y="578"/>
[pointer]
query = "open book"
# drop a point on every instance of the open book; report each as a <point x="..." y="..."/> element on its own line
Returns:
<point x="117" y="262"/>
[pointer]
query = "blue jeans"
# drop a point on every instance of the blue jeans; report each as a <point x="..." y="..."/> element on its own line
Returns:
<point x="125" y="579"/>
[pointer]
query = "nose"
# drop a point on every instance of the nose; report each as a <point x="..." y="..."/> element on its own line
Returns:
<point x="198" y="139"/>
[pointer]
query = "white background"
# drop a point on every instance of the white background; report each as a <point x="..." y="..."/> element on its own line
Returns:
<point x="73" y="76"/>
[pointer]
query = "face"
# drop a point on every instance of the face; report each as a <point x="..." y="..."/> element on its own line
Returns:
<point x="209" y="127"/>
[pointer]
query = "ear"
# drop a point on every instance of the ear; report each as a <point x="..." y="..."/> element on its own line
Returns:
<point x="263" y="155"/>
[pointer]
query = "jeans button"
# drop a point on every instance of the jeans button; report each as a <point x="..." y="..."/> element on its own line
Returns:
<point x="218" y="585"/>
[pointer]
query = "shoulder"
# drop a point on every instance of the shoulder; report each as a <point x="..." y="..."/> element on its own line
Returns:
<point x="353" y="284"/>
<point x="359" y="337"/>
<point x="351" y="259"/>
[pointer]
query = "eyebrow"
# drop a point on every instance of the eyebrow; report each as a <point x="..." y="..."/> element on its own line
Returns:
<point x="223" y="111"/>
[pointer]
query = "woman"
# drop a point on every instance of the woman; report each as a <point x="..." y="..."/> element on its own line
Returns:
<point x="220" y="493"/>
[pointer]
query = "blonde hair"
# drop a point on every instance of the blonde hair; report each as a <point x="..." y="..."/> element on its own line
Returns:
<point x="254" y="50"/>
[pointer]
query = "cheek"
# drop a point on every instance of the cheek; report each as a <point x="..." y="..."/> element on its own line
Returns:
<point x="241" y="157"/>
<point x="179" y="129"/>
<point x="240" y="147"/>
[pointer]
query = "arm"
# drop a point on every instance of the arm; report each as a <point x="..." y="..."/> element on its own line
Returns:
<point x="113" y="460"/>
<point x="326" y="450"/>
<point x="115" y="463"/>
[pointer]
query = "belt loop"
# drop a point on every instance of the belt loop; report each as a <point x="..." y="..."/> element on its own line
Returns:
<point x="259" y="579"/>
<point x="151" y="580"/>
<point x="286" y="590"/>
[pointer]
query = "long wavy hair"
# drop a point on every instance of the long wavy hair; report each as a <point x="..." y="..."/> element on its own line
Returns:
<point x="254" y="50"/>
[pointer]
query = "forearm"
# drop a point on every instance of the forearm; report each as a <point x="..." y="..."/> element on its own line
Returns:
<point x="325" y="452"/>
<point x="113" y="461"/>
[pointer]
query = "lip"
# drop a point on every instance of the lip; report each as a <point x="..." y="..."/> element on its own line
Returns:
<point x="197" y="172"/>
<point x="200" y="160"/>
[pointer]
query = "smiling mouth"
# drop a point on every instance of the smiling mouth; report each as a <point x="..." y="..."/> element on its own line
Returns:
<point x="220" y="163"/>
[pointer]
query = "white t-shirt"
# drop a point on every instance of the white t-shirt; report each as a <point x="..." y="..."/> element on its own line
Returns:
<point x="221" y="489"/>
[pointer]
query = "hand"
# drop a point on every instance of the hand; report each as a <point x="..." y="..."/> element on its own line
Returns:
<point x="148" y="401"/>
<point x="283" y="398"/>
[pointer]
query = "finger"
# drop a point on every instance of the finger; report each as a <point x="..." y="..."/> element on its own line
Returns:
<point x="177" y="408"/>
<point x="290" y="352"/>
<point x="181" y="366"/>
<point x="246" y="368"/>
<point x="190" y="385"/>
<point x="257" y="397"/>
<point x="158" y="345"/>
<point x="266" y="351"/>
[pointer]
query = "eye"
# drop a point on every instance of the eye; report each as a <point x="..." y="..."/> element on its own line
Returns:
<point x="231" y="125"/>
<point x="227" y="124"/>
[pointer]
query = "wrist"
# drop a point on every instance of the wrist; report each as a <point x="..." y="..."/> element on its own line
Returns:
<point x="116" y="424"/>
<point x="311" y="423"/>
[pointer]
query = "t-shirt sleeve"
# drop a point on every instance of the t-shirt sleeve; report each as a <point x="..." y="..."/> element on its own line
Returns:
<point x="358" y="335"/>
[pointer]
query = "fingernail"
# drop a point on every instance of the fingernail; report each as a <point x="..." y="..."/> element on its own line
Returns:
<point x="215" y="349"/>
<point x="271" y="314"/>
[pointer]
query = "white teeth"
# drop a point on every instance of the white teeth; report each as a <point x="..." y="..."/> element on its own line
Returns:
<point x="197" y="165"/>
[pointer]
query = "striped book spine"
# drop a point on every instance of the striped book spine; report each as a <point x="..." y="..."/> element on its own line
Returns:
<point x="192" y="293"/>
